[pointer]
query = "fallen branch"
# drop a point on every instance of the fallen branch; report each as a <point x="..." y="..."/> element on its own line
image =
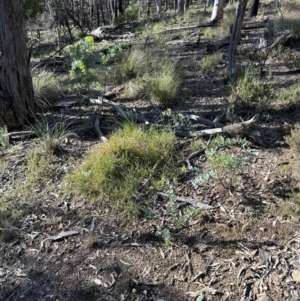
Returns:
<point x="126" y="115"/>
<point x="191" y="201"/>
<point x="214" y="46"/>
<point x="231" y="130"/>
<point x="204" y="120"/>
<point x="281" y="40"/>
<point x="97" y="128"/>
<point x="179" y="29"/>
<point x="21" y="133"/>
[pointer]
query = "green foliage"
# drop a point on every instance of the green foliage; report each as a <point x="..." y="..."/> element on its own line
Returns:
<point x="211" y="61"/>
<point x="114" y="53"/>
<point x="7" y="235"/>
<point x="4" y="139"/>
<point x="293" y="140"/>
<point x="131" y="14"/>
<point x="32" y="8"/>
<point x="293" y="61"/>
<point x="246" y="89"/>
<point x="166" y="236"/>
<point x="290" y="96"/>
<point x="222" y="161"/>
<point x="87" y="63"/>
<point x="176" y="119"/>
<point x="118" y="167"/>
<point x="83" y="56"/>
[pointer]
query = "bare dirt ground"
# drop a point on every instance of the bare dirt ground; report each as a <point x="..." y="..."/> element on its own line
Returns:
<point x="245" y="247"/>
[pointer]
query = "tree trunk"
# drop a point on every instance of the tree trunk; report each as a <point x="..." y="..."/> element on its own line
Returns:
<point x="235" y="34"/>
<point x="121" y="10"/>
<point x="180" y="7"/>
<point x="218" y="10"/>
<point x="16" y="93"/>
<point x="95" y="14"/>
<point x="158" y="7"/>
<point x="253" y="9"/>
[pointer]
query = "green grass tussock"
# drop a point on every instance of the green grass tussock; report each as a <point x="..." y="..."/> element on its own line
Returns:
<point x="211" y="61"/>
<point x="163" y="87"/>
<point x="290" y="96"/>
<point x="247" y="89"/>
<point x="113" y="171"/>
<point x="46" y="88"/>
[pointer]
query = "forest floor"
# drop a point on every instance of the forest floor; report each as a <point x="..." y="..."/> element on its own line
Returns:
<point x="245" y="246"/>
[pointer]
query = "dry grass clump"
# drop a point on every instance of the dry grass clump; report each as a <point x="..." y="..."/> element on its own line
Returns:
<point x="134" y="64"/>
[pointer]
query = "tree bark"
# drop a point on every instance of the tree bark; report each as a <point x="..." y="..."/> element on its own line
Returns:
<point x="158" y="7"/>
<point x="253" y="9"/>
<point x="180" y="7"/>
<point x="218" y="10"/>
<point x="235" y="34"/>
<point x="16" y="93"/>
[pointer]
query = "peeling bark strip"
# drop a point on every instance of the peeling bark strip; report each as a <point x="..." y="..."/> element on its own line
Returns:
<point x="16" y="92"/>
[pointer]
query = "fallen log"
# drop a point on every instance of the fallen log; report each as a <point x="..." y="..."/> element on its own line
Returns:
<point x="100" y="34"/>
<point x="97" y="128"/>
<point x="191" y="201"/>
<point x="216" y="45"/>
<point x="281" y="40"/>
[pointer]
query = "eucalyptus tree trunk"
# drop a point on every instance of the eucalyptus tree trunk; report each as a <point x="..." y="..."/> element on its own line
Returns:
<point x="235" y="34"/>
<point x="95" y="14"/>
<point x="121" y="9"/>
<point x="16" y="93"/>
<point x="180" y="7"/>
<point x="253" y="9"/>
<point x="158" y="7"/>
<point x="51" y="14"/>
<point x="218" y="10"/>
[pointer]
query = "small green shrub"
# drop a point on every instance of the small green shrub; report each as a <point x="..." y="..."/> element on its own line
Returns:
<point x="83" y="56"/>
<point x="7" y="235"/>
<point x="247" y="88"/>
<point x="222" y="162"/>
<point x="46" y="88"/>
<point x="290" y="96"/>
<point x="112" y="173"/>
<point x="131" y="14"/>
<point x="38" y="170"/>
<point x="211" y="61"/>
<point x="164" y="85"/>
<point x="115" y="52"/>
<point x="293" y="140"/>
